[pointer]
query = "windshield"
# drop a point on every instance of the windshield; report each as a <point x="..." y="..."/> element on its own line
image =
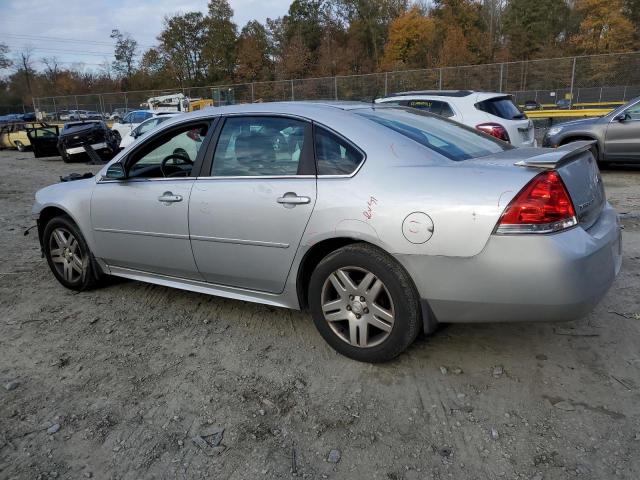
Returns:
<point x="450" y="139"/>
<point x="621" y="108"/>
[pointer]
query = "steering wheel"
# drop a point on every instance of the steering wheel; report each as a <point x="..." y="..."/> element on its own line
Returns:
<point x="184" y="160"/>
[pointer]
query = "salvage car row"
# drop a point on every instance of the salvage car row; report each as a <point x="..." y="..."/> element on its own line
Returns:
<point x="616" y="135"/>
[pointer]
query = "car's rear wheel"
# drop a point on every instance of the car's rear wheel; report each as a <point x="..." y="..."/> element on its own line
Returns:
<point x="364" y="303"/>
<point x="68" y="255"/>
<point x="20" y="146"/>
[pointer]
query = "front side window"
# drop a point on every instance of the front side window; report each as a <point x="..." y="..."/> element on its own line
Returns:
<point x="334" y="156"/>
<point x="170" y="155"/>
<point x="146" y="126"/>
<point x="128" y="118"/>
<point x="450" y="139"/>
<point x="259" y="146"/>
<point x="633" y="113"/>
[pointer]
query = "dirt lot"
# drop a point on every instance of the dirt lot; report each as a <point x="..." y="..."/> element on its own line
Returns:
<point x="114" y="383"/>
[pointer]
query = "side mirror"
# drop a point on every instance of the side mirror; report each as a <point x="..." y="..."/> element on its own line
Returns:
<point x="621" y="117"/>
<point x="115" y="172"/>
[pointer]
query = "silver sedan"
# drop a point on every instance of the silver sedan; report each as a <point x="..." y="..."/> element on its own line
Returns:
<point x="381" y="221"/>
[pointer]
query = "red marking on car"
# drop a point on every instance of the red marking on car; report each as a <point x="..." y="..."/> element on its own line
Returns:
<point x="368" y="213"/>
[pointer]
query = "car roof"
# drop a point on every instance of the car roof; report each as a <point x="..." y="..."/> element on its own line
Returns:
<point x="463" y="95"/>
<point x="312" y="109"/>
<point x="439" y="93"/>
<point x="82" y="122"/>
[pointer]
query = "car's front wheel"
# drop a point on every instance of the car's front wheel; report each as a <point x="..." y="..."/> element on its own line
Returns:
<point x="68" y="255"/>
<point x="364" y="303"/>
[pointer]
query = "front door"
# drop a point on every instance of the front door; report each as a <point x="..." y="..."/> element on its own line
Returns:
<point x="142" y="222"/>
<point x="247" y="218"/>
<point x="623" y="136"/>
<point x="44" y="141"/>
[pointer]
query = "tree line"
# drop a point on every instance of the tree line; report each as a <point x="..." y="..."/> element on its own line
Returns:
<point x="335" y="37"/>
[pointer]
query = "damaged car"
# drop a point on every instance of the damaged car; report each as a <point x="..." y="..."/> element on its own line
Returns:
<point x="382" y="221"/>
<point x="76" y="137"/>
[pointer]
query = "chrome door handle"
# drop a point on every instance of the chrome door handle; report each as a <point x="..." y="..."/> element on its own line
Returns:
<point x="168" y="197"/>
<point x="291" y="199"/>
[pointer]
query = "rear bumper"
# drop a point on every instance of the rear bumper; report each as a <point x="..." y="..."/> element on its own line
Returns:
<point x="95" y="146"/>
<point x="523" y="277"/>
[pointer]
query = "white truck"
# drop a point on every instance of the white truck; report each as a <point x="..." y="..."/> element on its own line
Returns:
<point x="175" y="102"/>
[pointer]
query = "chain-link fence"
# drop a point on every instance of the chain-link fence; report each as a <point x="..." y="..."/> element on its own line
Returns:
<point x="581" y="80"/>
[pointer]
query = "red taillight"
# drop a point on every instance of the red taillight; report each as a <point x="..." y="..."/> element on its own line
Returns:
<point x="542" y="206"/>
<point x="495" y="130"/>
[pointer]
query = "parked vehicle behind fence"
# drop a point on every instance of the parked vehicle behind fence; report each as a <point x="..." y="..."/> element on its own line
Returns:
<point x="492" y="113"/>
<point x="381" y="220"/>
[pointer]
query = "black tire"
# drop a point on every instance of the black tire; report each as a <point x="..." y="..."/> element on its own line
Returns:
<point x="90" y="274"/>
<point x="399" y="287"/>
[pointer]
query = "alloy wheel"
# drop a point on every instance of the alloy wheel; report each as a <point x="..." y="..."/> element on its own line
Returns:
<point x="358" y="307"/>
<point x="66" y="255"/>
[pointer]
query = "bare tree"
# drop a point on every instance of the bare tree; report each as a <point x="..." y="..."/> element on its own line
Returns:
<point x="125" y="53"/>
<point x="26" y="66"/>
<point x="51" y="70"/>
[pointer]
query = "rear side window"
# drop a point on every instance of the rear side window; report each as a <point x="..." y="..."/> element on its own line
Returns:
<point x="335" y="156"/>
<point x="450" y="139"/>
<point x="502" y="107"/>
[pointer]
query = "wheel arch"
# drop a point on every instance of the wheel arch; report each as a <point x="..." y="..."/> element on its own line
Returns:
<point x="48" y="213"/>
<point x="582" y="136"/>
<point x="320" y="250"/>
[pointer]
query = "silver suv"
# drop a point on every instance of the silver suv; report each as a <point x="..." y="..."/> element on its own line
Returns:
<point x="492" y="113"/>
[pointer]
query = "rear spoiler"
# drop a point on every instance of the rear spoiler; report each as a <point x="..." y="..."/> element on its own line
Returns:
<point x="559" y="156"/>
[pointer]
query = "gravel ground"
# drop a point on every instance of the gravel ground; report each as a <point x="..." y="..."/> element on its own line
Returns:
<point x="116" y="382"/>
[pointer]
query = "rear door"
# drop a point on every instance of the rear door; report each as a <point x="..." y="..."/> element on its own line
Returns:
<point x="623" y="137"/>
<point x="44" y="140"/>
<point x="247" y="216"/>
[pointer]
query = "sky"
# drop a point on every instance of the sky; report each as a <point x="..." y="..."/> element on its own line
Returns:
<point x="76" y="31"/>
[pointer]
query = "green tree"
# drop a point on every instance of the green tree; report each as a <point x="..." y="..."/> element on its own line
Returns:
<point x="219" y="48"/>
<point x="463" y="31"/>
<point x="125" y="52"/>
<point x="533" y="27"/>
<point x="369" y="21"/>
<point x="180" y="43"/>
<point x="306" y="20"/>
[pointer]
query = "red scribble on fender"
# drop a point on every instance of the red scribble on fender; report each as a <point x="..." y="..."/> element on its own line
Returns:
<point x="368" y="213"/>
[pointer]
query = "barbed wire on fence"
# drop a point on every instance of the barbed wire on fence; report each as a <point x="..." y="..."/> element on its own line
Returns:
<point x="594" y="78"/>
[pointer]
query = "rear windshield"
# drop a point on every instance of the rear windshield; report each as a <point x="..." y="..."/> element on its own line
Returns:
<point x="502" y="107"/>
<point x="78" y="127"/>
<point x="451" y="139"/>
